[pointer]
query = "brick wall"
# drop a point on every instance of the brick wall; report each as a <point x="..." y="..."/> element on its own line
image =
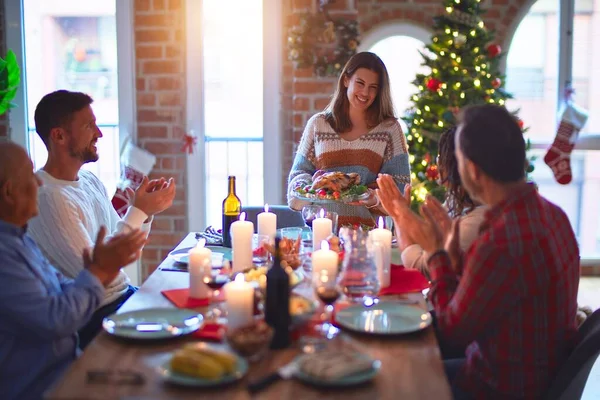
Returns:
<point x="161" y="115"/>
<point x="309" y="94"/>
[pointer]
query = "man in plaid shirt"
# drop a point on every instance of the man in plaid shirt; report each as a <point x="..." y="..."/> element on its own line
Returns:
<point x="512" y="297"/>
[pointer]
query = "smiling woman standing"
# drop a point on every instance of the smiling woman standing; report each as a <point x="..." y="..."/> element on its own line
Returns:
<point x="357" y="132"/>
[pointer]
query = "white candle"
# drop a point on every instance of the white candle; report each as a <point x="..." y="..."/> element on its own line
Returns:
<point x="267" y="223"/>
<point x="199" y="265"/>
<point x="321" y="229"/>
<point x="241" y="243"/>
<point x="384" y="238"/>
<point x="324" y="263"/>
<point x="239" y="298"/>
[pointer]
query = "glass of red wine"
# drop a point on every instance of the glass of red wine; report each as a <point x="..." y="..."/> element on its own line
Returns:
<point x="309" y="213"/>
<point x="215" y="281"/>
<point x="328" y="290"/>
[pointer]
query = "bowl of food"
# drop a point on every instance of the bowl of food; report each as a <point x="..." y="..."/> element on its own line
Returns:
<point x="251" y="341"/>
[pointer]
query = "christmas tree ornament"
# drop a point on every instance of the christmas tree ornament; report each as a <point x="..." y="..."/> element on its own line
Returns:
<point x="521" y="123"/>
<point x="433" y="84"/>
<point x="493" y="50"/>
<point x="558" y="157"/>
<point x="496" y="82"/>
<point x="135" y="164"/>
<point x="460" y="39"/>
<point x="432" y="172"/>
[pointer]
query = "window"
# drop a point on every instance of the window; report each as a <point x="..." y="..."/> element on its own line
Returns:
<point x="233" y="102"/>
<point x="237" y="97"/>
<point x="538" y="68"/>
<point x="73" y="45"/>
<point x="399" y="47"/>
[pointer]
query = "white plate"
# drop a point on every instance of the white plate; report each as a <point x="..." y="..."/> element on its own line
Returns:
<point x="153" y="323"/>
<point x="218" y="254"/>
<point x="313" y="198"/>
<point x="186" y="380"/>
<point x="384" y="318"/>
<point x="350" y="380"/>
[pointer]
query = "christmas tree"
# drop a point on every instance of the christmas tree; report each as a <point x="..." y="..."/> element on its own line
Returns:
<point x="464" y="69"/>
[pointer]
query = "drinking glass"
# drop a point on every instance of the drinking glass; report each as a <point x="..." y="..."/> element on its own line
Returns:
<point x="333" y="216"/>
<point x="327" y="290"/>
<point x="309" y="213"/>
<point x="291" y="232"/>
<point x="260" y="254"/>
<point x="215" y="281"/>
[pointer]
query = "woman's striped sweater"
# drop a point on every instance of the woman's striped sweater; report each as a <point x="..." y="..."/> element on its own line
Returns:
<point x="382" y="150"/>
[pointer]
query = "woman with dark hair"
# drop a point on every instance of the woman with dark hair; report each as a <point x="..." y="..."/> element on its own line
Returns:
<point x="458" y="203"/>
<point x="358" y="132"/>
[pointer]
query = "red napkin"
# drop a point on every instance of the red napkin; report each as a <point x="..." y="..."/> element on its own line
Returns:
<point x="180" y="297"/>
<point x="404" y="280"/>
<point x="211" y="331"/>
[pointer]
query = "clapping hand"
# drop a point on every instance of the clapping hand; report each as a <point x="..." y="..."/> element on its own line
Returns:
<point x="107" y="258"/>
<point x="153" y="197"/>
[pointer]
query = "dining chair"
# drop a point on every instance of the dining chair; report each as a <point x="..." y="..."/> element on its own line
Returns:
<point x="573" y="375"/>
<point x="286" y="217"/>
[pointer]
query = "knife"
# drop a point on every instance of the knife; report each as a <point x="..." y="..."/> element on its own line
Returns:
<point x="285" y="372"/>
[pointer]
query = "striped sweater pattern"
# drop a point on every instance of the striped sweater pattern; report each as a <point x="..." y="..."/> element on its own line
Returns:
<point x="382" y="150"/>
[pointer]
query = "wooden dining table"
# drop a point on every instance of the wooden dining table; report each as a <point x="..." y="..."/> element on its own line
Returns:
<point x="411" y="365"/>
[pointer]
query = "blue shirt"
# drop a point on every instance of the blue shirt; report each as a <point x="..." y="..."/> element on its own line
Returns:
<point x="40" y="313"/>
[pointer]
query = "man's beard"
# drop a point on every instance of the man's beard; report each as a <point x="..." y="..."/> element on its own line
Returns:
<point x="84" y="155"/>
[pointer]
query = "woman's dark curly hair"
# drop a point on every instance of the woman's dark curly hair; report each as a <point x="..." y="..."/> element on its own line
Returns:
<point x="457" y="199"/>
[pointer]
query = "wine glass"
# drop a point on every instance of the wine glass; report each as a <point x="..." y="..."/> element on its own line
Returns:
<point x="260" y="252"/>
<point x="215" y="281"/>
<point x="328" y="290"/>
<point x="309" y="213"/>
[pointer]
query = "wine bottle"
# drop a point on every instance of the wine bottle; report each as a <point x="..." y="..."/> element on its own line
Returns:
<point x="277" y="302"/>
<point x="232" y="207"/>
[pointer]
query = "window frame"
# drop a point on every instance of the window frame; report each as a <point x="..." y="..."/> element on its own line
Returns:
<point x="124" y="12"/>
<point x="272" y="123"/>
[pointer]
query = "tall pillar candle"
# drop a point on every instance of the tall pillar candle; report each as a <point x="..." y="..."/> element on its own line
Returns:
<point x="267" y="223"/>
<point x="384" y="238"/>
<point x="199" y="265"/>
<point x="321" y="229"/>
<point x="239" y="300"/>
<point x="324" y="262"/>
<point x="241" y="243"/>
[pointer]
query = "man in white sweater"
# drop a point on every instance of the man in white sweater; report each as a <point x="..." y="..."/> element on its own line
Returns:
<point x="73" y="202"/>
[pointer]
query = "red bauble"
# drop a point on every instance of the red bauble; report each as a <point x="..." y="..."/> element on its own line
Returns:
<point x="496" y="83"/>
<point x="493" y="50"/>
<point x="432" y="173"/>
<point x="520" y="122"/>
<point x="433" y="84"/>
<point x="427" y="158"/>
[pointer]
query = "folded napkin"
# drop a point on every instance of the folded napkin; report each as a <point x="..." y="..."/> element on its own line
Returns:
<point x="211" y="331"/>
<point x="404" y="280"/>
<point x="181" y="298"/>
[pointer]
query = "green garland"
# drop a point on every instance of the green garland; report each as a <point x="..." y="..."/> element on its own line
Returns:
<point x="324" y="44"/>
<point x="10" y="78"/>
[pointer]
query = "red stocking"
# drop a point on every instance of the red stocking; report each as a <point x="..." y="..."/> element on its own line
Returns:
<point x="558" y="157"/>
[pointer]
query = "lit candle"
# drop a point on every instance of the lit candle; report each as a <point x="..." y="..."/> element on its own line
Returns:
<point x="267" y="223"/>
<point x="384" y="238"/>
<point x="199" y="266"/>
<point x="239" y="298"/>
<point x="241" y="243"/>
<point x="321" y="228"/>
<point x="324" y="262"/>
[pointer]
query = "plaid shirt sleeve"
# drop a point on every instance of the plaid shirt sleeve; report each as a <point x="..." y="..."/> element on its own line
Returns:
<point x="465" y="307"/>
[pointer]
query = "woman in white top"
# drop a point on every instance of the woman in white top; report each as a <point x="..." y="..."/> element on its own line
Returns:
<point x="458" y="202"/>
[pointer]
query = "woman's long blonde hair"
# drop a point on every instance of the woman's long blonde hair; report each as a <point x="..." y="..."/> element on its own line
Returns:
<point x="337" y="112"/>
